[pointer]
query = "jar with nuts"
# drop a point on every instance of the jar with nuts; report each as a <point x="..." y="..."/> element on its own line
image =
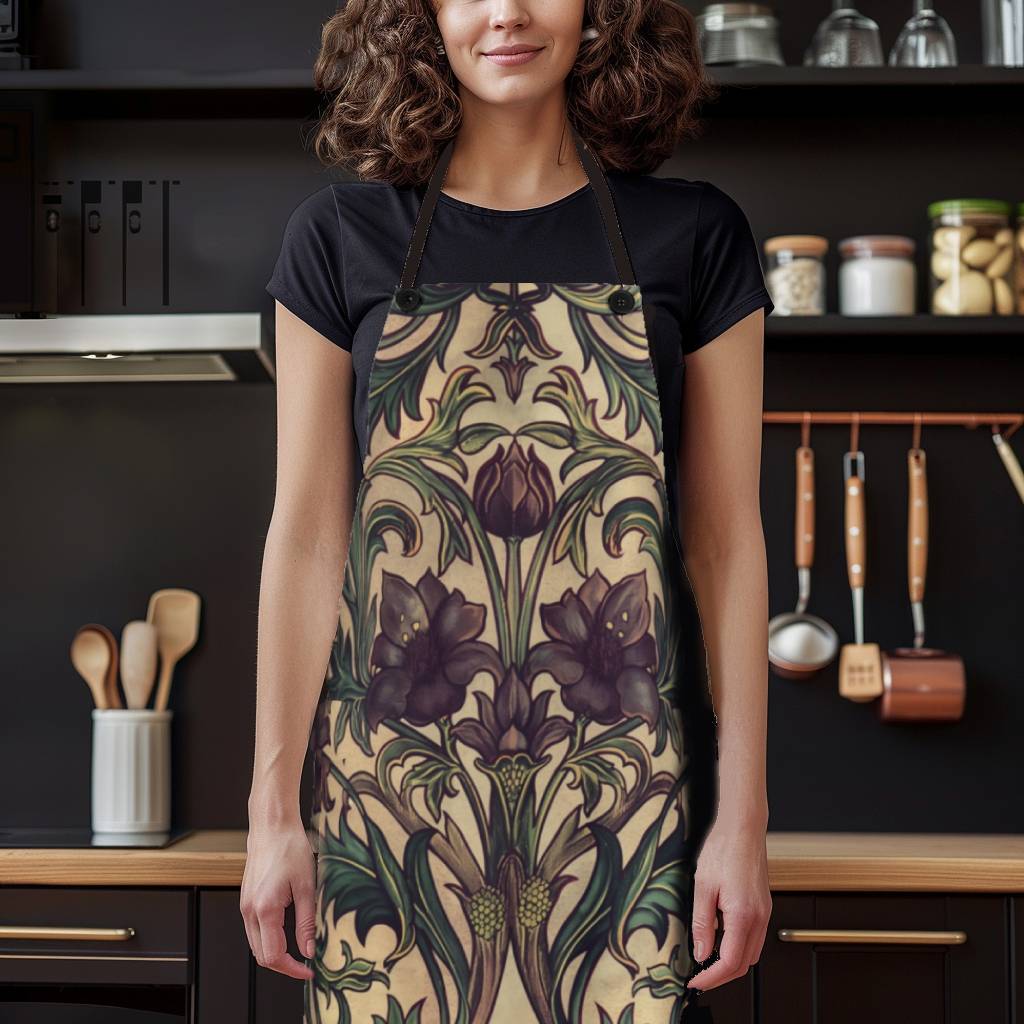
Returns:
<point x="972" y="247"/>
<point x="796" y="274"/>
<point x="1018" y="258"/>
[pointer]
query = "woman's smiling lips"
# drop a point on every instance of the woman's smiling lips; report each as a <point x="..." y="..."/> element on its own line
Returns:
<point x="510" y="56"/>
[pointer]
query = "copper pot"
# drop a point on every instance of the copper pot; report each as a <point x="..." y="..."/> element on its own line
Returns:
<point x="920" y="683"/>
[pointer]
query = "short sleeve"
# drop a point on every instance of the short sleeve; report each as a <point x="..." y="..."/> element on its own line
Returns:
<point x="726" y="280"/>
<point x="308" y="276"/>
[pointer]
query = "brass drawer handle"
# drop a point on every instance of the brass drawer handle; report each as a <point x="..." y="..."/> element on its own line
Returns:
<point x="33" y="931"/>
<point x="873" y="936"/>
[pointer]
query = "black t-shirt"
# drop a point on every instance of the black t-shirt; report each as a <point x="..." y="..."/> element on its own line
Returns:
<point x="692" y="249"/>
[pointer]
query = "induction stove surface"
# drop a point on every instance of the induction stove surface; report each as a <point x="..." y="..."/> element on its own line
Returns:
<point x="16" y="837"/>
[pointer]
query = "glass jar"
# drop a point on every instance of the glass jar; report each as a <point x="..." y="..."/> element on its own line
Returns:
<point x="1018" y="258"/>
<point x="796" y="274"/>
<point x="971" y="257"/>
<point x="877" y="276"/>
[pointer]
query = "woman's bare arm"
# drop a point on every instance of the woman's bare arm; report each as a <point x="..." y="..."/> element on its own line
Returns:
<point x="723" y="542"/>
<point x="300" y="590"/>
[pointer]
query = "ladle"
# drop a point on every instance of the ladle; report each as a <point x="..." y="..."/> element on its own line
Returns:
<point x="801" y="644"/>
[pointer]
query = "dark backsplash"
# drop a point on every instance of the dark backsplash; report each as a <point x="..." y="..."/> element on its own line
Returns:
<point x="112" y="491"/>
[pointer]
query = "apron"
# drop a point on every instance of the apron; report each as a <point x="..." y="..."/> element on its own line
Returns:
<point x="501" y="786"/>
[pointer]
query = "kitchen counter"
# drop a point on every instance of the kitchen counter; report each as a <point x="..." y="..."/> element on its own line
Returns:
<point x="797" y="861"/>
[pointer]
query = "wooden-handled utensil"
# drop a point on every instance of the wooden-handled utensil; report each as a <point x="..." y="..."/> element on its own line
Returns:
<point x="1009" y="457"/>
<point x="801" y="644"/>
<point x="113" y="692"/>
<point x="860" y="664"/>
<point x="175" y="613"/>
<point x="90" y="654"/>
<point x="920" y="683"/>
<point x="138" y="661"/>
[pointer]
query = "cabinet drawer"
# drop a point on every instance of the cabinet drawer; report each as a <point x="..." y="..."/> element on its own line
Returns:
<point x="70" y="935"/>
<point x="888" y="958"/>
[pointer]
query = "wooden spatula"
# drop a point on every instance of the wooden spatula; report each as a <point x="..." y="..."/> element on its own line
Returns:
<point x="138" y="661"/>
<point x="860" y="664"/>
<point x="175" y="613"/>
<point x="90" y="654"/>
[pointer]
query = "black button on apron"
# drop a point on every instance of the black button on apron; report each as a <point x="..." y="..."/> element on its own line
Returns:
<point x="407" y="299"/>
<point x="621" y="301"/>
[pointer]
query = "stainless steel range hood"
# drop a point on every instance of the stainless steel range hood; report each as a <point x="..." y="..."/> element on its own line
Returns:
<point x="134" y="347"/>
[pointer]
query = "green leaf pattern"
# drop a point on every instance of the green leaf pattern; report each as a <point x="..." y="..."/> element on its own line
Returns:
<point x="503" y="814"/>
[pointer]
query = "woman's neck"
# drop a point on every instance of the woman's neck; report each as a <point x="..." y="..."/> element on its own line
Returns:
<point x="514" y="160"/>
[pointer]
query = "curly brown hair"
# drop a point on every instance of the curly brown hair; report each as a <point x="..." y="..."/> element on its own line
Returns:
<point x="633" y="92"/>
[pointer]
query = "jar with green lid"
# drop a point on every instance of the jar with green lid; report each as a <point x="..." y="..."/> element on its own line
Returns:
<point x="972" y="247"/>
<point x="1018" y="258"/>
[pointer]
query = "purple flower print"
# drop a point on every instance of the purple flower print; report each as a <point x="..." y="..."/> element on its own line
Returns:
<point x="426" y="651"/>
<point x="515" y="722"/>
<point x="600" y="652"/>
<point x="513" y="493"/>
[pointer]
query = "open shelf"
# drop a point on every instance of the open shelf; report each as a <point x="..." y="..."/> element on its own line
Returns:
<point x="288" y="92"/>
<point x="916" y="326"/>
<point x="1000" y="334"/>
<point x="764" y="77"/>
<point x="790" y="76"/>
<point x="77" y="79"/>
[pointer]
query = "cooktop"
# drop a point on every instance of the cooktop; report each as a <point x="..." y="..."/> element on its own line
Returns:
<point x="76" y="838"/>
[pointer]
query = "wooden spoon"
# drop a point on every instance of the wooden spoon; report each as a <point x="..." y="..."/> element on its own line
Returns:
<point x="138" y="661"/>
<point x="175" y="613"/>
<point x="113" y="693"/>
<point x="90" y="654"/>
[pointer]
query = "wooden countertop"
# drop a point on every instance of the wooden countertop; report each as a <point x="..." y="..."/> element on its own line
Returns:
<point x="815" y="861"/>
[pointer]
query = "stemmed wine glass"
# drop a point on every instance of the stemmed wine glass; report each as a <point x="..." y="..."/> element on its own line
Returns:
<point x="925" y="41"/>
<point x="844" y="39"/>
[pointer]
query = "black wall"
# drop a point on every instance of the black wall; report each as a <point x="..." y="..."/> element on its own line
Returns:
<point x="111" y="491"/>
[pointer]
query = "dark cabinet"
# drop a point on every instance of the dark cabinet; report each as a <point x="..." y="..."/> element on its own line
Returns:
<point x="277" y="998"/>
<point x="224" y="964"/>
<point x="1016" y="918"/>
<point x="231" y="988"/>
<point x="735" y="1003"/>
<point x="888" y="958"/>
<point x="92" y="954"/>
<point x="181" y="954"/>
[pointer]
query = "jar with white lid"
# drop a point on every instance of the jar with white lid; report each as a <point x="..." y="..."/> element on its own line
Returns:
<point x="877" y="276"/>
<point x="796" y="274"/>
<point x="972" y="247"/>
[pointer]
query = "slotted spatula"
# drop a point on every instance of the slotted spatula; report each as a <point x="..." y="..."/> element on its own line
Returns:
<point x="860" y="664"/>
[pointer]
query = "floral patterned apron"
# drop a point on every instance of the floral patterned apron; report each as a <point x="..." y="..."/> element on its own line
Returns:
<point x="501" y="794"/>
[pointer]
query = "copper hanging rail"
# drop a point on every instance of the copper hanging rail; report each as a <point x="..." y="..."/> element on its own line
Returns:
<point x="1011" y="420"/>
<point x="995" y="420"/>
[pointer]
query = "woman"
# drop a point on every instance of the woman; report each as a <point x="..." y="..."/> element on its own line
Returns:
<point x="485" y="339"/>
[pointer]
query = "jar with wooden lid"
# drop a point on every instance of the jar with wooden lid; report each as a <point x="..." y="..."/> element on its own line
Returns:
<point x="971" y="266"/>
<point x="796" y="274"/>
<point x="877" y="276"/>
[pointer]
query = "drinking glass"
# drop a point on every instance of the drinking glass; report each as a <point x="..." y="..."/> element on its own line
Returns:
<point x="925" y="41"/>
<point x="844" y="39"/>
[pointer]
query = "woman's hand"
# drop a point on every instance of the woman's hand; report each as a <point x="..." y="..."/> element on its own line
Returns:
<point x="279" y="870"/>
<point x="731" y="875"/>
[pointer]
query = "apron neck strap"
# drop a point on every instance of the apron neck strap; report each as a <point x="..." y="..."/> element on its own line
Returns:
<point x="598" y="181"/>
